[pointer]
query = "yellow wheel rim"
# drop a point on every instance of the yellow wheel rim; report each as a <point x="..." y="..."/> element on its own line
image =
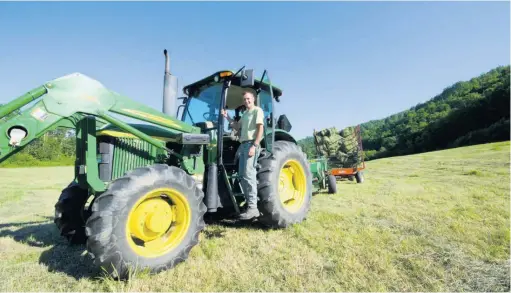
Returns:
<point x="292" y="185"/>
<point x="158" y="222"/>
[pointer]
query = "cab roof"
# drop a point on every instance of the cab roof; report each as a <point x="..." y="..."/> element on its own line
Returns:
<point x="222" y="75"/>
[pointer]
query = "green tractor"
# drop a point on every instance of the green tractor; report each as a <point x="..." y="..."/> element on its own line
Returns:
<point x="141" y="192"/>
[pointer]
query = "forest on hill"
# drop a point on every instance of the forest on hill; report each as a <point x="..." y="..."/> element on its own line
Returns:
<point x="467" y="113"/>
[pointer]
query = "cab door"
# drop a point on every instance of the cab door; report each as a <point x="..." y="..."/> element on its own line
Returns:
<point x="265" y="101"/>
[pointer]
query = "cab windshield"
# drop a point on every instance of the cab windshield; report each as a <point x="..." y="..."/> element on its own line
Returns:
<point x="204" y="106"/>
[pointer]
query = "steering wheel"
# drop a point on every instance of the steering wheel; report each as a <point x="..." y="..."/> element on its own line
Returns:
<point x="210" y="117"/>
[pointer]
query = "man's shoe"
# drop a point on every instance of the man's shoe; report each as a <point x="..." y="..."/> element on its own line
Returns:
<point x="249" y="214"/>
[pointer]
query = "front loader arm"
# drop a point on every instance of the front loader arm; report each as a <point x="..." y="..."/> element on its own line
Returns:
<point x="64" y="102"/>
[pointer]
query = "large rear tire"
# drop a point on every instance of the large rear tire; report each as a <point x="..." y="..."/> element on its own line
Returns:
<point x="149" y="219"/>
<point x="71" y="213"/>
<point x="284" y="186"/>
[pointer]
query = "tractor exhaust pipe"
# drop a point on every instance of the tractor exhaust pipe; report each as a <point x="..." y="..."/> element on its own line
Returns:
<point x="169" y="90"/>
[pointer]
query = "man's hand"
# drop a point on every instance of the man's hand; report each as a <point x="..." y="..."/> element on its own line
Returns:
<point x="251" y="151"/>
<point x="226" y="116"/>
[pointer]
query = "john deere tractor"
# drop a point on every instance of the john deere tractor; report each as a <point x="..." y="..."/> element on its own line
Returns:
<point x="141" y="191"/>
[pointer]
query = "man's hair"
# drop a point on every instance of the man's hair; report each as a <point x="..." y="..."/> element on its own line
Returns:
<point x="248" y="92"/>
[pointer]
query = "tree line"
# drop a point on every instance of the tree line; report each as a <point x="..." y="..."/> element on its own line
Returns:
<point x="468" y="112"/>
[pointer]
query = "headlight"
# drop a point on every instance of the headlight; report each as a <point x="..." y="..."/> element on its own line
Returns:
<point x="16" y="134"/>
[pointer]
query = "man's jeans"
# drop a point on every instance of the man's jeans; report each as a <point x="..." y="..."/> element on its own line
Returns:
<point x="248" y="173"/>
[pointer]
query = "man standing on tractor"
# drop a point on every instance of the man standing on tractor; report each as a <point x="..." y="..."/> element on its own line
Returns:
<point x="250" y="128"/>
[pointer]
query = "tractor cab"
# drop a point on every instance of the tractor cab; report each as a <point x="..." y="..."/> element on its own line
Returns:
<point x="224" y="89"/>
<point x="204" y="97"/>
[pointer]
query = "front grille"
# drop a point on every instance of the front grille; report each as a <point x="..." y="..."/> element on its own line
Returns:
<point x="118" y="155"/>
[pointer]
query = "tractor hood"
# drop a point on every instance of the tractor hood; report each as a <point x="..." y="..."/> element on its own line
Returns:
<point x="151" y="130"/>
<point x="155" y="132"/>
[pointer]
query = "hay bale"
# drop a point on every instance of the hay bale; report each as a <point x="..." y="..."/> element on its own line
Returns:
<point x="348" y="131"/>
<point x="340" y="147"/>
<point x="348" y="145"/>
<point x="327" y="141"/>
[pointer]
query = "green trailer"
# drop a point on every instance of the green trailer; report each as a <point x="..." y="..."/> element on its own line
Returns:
<point x="321" y="178"/>
<point x="141" y="190"/>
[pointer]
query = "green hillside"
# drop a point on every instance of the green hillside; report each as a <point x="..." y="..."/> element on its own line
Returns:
<point x="466" y="113"/>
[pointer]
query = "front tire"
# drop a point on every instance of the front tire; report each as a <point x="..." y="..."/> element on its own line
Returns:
<point x="284" y="186"/>
<point x="71" y="213"/>
<point x="149" y="219"/>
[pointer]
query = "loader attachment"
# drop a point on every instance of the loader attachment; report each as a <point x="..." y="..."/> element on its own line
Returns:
<point x="78" y="102"/>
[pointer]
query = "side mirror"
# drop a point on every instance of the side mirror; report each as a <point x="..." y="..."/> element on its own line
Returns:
<point x="283" y="123"/>
<point x="247" y="78"/>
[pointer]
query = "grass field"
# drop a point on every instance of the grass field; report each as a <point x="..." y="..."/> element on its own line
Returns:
<point x="431" y="222"/>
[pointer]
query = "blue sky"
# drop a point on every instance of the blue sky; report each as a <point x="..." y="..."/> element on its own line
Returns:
<point x="338" y="63"/>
